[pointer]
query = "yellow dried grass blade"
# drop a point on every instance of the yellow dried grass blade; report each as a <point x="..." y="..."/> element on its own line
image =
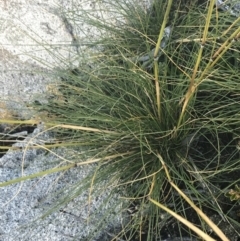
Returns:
<point x="192" y="86"/>
<point x="156" y="72"/>
<point x="198" y="231"/>
<point x="200" y="213"/>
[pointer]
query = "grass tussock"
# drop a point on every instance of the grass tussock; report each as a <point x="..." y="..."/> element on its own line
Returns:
<point x="159" y="129"/>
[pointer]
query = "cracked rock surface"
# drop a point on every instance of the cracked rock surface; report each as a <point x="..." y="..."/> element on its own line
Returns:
<point x="33" y="40"/>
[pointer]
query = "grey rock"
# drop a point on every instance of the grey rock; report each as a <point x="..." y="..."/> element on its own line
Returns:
<point x="23" y="203"/>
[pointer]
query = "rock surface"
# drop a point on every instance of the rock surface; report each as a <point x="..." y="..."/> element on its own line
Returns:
<point x="35" y="37"/>
<point x="21" y="204"/>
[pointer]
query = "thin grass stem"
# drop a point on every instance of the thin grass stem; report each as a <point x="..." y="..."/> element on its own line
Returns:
<point x="198" y="231"/>
<point x="192" y="87"/>
<point x="157" y="49"/>
<point x="199" y="211"/>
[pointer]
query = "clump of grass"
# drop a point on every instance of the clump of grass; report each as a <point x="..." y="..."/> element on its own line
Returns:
<point x="133" y="123"/>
